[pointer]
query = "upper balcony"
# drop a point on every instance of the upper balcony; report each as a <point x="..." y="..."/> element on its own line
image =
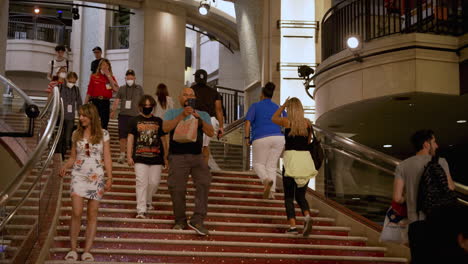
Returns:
<point x="410" y="64"/>
<point x="32" y="41"/>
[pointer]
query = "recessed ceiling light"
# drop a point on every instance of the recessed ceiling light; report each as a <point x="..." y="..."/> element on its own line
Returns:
<point x="387" y="146"/>
<point x="461" y="121"/>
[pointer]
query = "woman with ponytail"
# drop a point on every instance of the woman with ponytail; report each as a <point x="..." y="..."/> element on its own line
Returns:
<point x="299" y="167"/>
<point x="266" y="139"/>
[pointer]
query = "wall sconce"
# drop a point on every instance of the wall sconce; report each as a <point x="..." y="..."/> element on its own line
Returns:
<point x="354" y="44"/>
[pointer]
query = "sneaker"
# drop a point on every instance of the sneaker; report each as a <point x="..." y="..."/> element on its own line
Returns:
<point x="121" y="159"/>
<point x="292" y="231"/>
<point x="199" y="228"/>
<point x="141" y="216"/>
<point x="267" y="188"/>
<point x="149" y="207"/>
<point x="179" y="226"/>
<point x="271" y="196"/>
<point x="307" y="227"/>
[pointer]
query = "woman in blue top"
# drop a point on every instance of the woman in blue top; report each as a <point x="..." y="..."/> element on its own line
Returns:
<point x="267" y="139"/>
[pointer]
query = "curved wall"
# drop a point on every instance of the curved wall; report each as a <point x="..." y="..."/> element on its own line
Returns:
<point x="405" y="71"/>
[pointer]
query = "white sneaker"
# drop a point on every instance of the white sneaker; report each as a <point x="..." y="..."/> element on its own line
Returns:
<point x="121" y="159"/>
<point x="141" y="216"/>
<point x="149" y="207"/>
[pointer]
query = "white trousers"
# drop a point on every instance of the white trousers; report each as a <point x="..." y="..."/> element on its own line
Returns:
<point x="148" y="178"/>
<point x="266" y="153"/>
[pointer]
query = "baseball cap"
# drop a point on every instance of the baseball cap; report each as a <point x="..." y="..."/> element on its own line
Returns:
<point x="97" y="48"/>
<point x="130" y="72"/>
<point x="201" y="74"/>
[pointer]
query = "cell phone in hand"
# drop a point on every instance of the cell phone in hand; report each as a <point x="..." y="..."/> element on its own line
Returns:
<point x="191" y="102"/>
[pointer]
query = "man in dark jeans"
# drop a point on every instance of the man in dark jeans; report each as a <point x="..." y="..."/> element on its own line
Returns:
<point x="186" y="159"/>
<point x="407" y="176"/>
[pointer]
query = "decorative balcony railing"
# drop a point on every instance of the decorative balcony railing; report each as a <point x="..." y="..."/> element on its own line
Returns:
<point x="118" y="37"/>
<point x="59" y="34"/>
<point x="233" y="103"/>
<point x="371" y="19"/>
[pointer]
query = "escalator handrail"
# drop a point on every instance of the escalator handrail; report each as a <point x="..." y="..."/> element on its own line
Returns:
<point x="41" y="146"/>
<point x="26" y="98"/>
<point x="354" y="146"/>
<point x="360" y="148"/>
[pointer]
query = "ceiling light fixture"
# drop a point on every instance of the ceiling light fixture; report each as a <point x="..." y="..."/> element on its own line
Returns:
<point x="204" y="8"/>
<point x="462" y="121"/>
<point x="37" y="10"/>
<point x="387" y="146"/>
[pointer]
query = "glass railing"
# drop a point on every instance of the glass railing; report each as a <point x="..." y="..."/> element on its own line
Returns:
<point x="17" y="111"/>
<point x="44" y="29"/>
<point x="353" y="175"/>
<point x="23" y="201"/>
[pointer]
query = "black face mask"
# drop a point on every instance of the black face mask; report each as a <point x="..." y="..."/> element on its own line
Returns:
<point x="147" y="110"/>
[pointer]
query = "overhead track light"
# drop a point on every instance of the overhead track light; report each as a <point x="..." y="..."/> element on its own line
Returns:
<point x="204" y="8"/>
<point x="37" y="10"/>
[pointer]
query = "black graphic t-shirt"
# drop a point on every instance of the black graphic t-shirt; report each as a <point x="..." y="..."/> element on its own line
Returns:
<point x="147" y="145"/>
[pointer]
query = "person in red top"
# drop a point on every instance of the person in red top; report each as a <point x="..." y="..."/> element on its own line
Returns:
<point x="100" y="87"/>
<point x="57" y="80"/>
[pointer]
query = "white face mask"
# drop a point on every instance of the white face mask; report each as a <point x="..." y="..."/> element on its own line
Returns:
<point x="130" y="82"/>
<point x="62" y="75"/>
<point x="70" y="84"/>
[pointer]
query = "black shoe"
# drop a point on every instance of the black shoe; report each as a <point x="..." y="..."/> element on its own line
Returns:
<point x="179" y="226"/>
<point x="292" y="231"/>
<point x="199" y="228"/>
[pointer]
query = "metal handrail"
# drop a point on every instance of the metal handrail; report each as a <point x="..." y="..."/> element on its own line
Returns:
<point x="41" y="146"/>
<point x="369" y="152"/>
<point x="234" y="125"/>
<point x="18" y="90"/>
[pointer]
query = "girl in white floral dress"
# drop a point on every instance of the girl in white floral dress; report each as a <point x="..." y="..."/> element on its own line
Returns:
<point x="90" y="154"/>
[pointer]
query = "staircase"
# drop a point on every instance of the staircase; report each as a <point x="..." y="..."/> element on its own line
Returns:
<point x="244" y="228"/>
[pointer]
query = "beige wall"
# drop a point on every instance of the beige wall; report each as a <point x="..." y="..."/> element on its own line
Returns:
<point x="412" y="70"/>
<point x="164" y="47"/>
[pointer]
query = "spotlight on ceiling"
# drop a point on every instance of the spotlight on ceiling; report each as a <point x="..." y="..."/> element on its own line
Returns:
<point x="387" y="146"/>
<point x="204" y="8"/>
<point x="75" y="13"/>
<point x="37" y="10"/>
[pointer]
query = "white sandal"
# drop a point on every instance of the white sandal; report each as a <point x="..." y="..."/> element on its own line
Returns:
<point x="71" y="256"/>
<point x="87" y="257"/>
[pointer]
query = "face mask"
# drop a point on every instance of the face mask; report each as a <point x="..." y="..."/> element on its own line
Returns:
<point x="130" y="82"/>
<point x="70" y="84"/>
<point x="62" y="75"/>
<point x="147" y="110"/>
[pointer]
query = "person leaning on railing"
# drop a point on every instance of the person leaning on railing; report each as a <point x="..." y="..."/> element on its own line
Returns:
<point x="299" y="167"/>
<point x="100" y="87"/>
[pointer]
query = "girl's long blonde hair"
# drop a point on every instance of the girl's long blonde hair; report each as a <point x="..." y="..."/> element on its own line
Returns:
<point x="90" y="111"/>
<point x="104" y="60"/>
<point x="297" y="122"/>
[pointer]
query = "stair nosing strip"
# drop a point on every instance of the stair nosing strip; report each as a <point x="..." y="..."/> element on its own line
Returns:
<point x="235" y="255"/>
<point x="226" y="243"/>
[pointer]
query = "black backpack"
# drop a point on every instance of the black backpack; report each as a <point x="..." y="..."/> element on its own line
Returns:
<point x="433" y="189"/>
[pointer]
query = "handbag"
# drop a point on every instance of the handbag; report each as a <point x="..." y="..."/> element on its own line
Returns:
<point x="186" y="131"/>
<point x="395" y="228"/>
<point x="315" y="150"/>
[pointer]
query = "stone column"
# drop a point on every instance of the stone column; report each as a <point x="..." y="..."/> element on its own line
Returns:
<point x="137" y="44"/>
<point x="93" y="33"/>
<point x="3" y="33"/>
<point x="271" y="42"/>
<point x="164" y="47"/>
